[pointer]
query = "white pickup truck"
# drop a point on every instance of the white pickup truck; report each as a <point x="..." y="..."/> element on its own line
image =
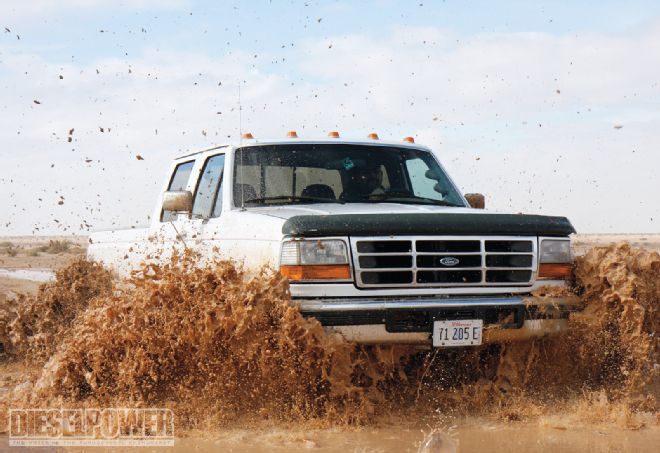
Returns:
<point x="376" y="240"/>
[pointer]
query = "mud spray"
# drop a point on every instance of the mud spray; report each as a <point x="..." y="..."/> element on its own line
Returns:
<point x="222" y="348"/>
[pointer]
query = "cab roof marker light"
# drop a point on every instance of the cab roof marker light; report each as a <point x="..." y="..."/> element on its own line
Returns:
<point x="373" y="136"/>
<point x="248" y="136"/>
<point x="409" y="139"/>
<point x="333" y="134"/>
<point x="292" y="134"/>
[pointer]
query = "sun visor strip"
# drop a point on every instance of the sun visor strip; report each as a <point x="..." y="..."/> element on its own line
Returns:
<point x="426" y="224"/>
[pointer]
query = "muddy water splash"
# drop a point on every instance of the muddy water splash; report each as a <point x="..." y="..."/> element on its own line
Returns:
<point x="32" y="325"/>
<point x="211" y="341"/>
<point x="218" y="346"/>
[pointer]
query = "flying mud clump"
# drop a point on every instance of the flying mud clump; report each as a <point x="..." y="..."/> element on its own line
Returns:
<point x="220" y="346"/>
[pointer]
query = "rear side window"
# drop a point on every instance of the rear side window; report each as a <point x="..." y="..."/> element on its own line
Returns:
<point x="179" y="181"/>
<point x="208" y="196"/>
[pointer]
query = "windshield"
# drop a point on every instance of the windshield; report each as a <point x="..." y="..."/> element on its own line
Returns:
<point x="328" y="173"/>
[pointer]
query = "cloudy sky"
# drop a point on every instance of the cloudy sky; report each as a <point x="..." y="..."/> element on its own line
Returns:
<point x="546" y="107"/>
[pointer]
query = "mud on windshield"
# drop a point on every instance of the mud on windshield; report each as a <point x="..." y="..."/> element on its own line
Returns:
<point x="329" y="173"/>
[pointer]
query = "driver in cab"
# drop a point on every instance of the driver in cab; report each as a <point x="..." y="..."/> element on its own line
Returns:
<point x="363" y="181"/>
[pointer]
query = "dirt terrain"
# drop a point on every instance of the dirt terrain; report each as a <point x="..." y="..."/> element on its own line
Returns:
<point x="30" y="253"/>
<point x="583" y="242"/>
<point x="39" y="252"/>
<point x="599" y="420"/>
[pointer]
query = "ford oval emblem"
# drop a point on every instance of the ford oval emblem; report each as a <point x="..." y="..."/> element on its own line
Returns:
<point x="449" y="261"/>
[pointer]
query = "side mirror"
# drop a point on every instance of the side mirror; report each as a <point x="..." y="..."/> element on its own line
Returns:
<point x="178" y="201"/>
<point x="438" y="188"/>
<point x="476" y="200"/>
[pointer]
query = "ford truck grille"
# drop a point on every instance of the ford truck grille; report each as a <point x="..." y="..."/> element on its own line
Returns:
<point x="427" y="261"/>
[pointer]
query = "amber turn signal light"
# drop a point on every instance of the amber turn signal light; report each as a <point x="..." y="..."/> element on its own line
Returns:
<point x="556" y="271"/>
<point x="317" y="272"/>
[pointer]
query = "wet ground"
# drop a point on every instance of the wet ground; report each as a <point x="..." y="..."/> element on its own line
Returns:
<point x="35" y="275"/>
<point x="468" y="435"/>
<point x="472" y="435"/>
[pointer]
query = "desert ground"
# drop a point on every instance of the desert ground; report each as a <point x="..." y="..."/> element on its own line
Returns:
<point x="582" y="242"/>
<point x="26" y="261"/>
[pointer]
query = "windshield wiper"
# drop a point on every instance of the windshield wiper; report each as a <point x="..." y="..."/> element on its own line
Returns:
<point x="293" y="199"/>
<point x="408" y="198"/>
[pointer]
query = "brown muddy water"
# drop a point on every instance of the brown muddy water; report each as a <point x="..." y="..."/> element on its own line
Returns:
<point x="243" y="371"/>
<point x="469" y="435"/>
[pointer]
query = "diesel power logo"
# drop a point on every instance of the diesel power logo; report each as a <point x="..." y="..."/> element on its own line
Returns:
<point x="91" y="427"/>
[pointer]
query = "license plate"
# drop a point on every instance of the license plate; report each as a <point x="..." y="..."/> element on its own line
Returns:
<point x="466" y="332"/>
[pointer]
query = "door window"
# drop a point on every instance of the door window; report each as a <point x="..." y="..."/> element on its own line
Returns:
<point x="208" y="196"/>
<point x="179" y="181"/>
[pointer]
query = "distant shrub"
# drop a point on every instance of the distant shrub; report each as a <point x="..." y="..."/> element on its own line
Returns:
<point x="76" y="249"/>
<point x="11" y="250"/>
<point x="55" y="246"/>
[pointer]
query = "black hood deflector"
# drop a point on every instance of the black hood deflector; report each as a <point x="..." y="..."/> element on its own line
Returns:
<point x="426" y="224"/>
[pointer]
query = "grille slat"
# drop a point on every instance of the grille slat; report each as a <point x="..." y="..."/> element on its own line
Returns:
<point x="384" y="246"/>
<point x="512" y="276"/>
<point x="448" y="276"/>
<point x="438" y="261"/>
<point x="448" y="246"/>
<point x="450" y="254"/>
<point x="387" y="261"/>
<point x="508" y="261"/>
<point x="508" y="246"/>
<point x="387" y="278"/>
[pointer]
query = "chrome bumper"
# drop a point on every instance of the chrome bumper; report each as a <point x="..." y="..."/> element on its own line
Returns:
<point x="410" y="321"/>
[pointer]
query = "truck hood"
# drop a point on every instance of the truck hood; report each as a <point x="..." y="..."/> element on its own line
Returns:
<point x="385" y="219"/>
<point x="321" y="209"/>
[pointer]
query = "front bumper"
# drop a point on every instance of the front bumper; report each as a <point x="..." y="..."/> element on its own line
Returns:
<point x="410" y="320"/>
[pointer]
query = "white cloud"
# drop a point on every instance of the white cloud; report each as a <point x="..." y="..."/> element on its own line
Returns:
<point x="20" y="10"/>
<point x="488" y="104"/>
<point x="514" y="73"/>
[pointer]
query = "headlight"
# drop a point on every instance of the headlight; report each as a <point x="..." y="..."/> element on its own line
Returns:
<point x="556" y="259"/>
<point x="322" y="259"/>
<point x="331" y="251"/>
<point x="555" y="251"/>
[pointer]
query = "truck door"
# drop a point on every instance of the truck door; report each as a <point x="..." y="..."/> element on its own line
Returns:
<point x="207" y="204"/>
<point x="177" y="231"/>
<point x="181" y="230"/>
